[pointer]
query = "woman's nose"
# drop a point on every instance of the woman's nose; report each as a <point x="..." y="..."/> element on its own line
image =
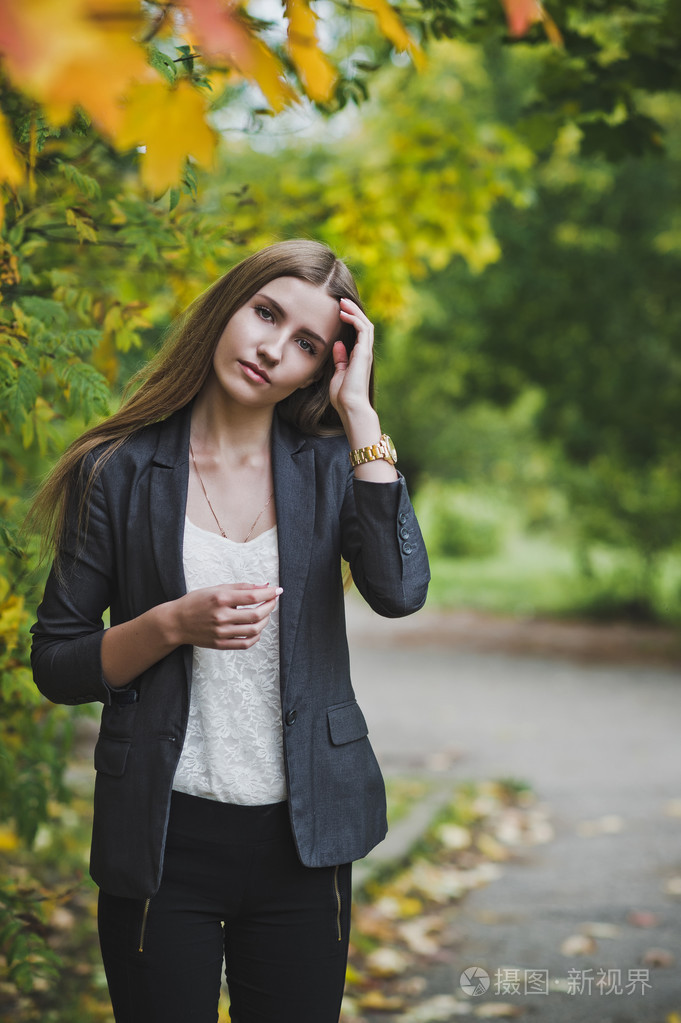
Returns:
<point x="270" y="348"/>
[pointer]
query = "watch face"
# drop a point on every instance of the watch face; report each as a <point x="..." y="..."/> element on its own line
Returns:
<point x="390" y="446"/>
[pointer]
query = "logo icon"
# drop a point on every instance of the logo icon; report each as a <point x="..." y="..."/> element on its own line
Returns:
<point x="474" y="981"/>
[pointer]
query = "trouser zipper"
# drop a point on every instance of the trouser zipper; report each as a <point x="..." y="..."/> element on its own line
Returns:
<point x="144" y="925"/>
<point x="338" y="903"/>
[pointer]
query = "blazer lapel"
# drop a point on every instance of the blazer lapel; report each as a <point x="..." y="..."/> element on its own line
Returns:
<point x="168" y="501"/>
<point x="293" y="471"/>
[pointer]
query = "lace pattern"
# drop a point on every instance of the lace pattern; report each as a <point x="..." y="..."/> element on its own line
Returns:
<point x="233" y="747"/>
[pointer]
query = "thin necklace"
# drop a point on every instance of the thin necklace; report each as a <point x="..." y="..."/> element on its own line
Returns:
<point x="222" y="532"/>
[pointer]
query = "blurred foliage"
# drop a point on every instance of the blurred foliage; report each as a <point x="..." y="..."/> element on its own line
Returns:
<point x="459" y="522"/>
<point x="510" y="211"/>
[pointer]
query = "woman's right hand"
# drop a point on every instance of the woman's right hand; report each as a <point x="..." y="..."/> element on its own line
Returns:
<point x="231" y="616"/>
<point x="227" y="617"/>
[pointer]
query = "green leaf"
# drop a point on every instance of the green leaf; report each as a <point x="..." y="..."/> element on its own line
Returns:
<point x="87" y="185"/>
<point x="44" y="309"/>
<point x="88" y="389"/>
<point x="164" y="65"/>
<point x="19" y="395"/>
<point x="8" y="536"/>
<point x="85" y="228"/>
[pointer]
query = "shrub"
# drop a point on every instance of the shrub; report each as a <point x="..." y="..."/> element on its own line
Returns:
<point x="459" y="522"/>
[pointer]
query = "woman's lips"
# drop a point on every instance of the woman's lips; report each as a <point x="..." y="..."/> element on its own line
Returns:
<point x="254" y="372"/>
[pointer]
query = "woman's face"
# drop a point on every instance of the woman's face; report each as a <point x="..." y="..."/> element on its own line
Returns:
<point x="277" y="342"/>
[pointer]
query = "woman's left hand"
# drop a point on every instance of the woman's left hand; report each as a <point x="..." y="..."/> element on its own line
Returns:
<point x="349" y="393"/>
<point x="349" y="388"/>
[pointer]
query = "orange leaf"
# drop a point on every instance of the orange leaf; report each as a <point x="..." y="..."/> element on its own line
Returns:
<point x="10" y="168"/>
<point x="222" y="33"/>
<point x="317" y="73"/>
<point x="170" y="123"/>
<point x="521" y="14"/>
<point x="392" y="28"/>
<point x="73" y="52"/>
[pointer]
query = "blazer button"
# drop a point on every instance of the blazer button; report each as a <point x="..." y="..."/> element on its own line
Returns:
<point x="407" y="547"/>
<point x="291" y="717"/>
<point x="404" y="533"/>
<point x="402" y="518"/>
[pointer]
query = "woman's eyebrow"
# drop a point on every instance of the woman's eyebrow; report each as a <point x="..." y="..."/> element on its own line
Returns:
<point x="284" y="315"/>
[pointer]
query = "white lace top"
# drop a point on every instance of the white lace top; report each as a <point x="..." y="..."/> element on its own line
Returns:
<point x="233" y="747"/>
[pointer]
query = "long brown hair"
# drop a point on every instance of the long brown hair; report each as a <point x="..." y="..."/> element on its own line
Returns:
<point x="179" y="370"/>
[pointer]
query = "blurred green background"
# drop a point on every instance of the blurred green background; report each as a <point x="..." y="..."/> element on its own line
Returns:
<point x="513" y="215"/>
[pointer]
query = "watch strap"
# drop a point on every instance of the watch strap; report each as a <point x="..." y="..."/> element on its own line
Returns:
<point x="373" y="452"/>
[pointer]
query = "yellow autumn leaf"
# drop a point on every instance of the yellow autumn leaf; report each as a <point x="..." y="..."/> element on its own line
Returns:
<point x="73" y="52"/>
<point x="8" y="840"/>
<point x="223" y="34"/>
<point x="393" y="29"/>
<point x="316" y="71"/>
<point x="98" y="83"/>
<point x="170" y="124"/>
<point x="83" y="225"/>
<point x="12" y="620"/>
<point x="10" y="168"/>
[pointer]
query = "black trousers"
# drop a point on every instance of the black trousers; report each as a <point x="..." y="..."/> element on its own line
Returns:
<point x="233" y="891"/>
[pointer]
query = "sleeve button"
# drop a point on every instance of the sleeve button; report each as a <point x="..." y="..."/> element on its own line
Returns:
<point x="407" y="547"/>
<point x="404" y="533"/>
<point x="291" y="717"/>
<point x="402" y="518"/>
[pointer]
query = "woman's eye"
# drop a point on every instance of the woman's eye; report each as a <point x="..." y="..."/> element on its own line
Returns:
<point x="264" y="313"/>
<point x="307" y="346"/>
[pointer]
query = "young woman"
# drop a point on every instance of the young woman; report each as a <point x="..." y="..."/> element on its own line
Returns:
<point x="235" y="780"/>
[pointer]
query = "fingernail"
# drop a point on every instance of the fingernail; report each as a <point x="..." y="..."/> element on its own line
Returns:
<point x="279" y="590"/>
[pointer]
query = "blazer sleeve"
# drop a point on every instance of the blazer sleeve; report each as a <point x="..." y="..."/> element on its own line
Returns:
<point x="67" y="637"/>
<point x="382" y="542"/>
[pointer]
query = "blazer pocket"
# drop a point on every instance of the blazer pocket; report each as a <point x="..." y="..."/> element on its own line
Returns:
<point x="346" y="723"/>
<point x="111" y="755"/>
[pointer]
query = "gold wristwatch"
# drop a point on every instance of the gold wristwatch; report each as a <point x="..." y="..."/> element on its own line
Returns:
<point x="384" y="449"/>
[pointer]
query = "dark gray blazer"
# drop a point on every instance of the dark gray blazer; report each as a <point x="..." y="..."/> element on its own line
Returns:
<point x="131" y="560"/>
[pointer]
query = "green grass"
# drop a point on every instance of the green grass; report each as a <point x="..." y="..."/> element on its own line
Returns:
<point x="537" y="575"/>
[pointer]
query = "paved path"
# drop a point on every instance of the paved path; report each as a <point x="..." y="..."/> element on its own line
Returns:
<point x="599" y="744"/>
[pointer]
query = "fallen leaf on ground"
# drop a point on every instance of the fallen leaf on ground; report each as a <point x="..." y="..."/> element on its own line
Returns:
<point x="349" y="1009"/>
<point x="642" y="918"/>
<point x="516" y="826"/>
<point x="439" y="1009"/>
<point x="373" y="924"/>
<point x="610" y="824"/>
<point x="497" y="1010"/>
<point x="578" y="945"/>
<point x="453" y="836"/>
<point x="412" y="986"/>
<point x="377" y="1000"/>
<point x="418" y="934"/>
<point x="595" y="929"/>
<point x="397" y="907"/>
<point x="658" y="958"/>
<point x="490" y="847"/>
<point x="387" y="962"/>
